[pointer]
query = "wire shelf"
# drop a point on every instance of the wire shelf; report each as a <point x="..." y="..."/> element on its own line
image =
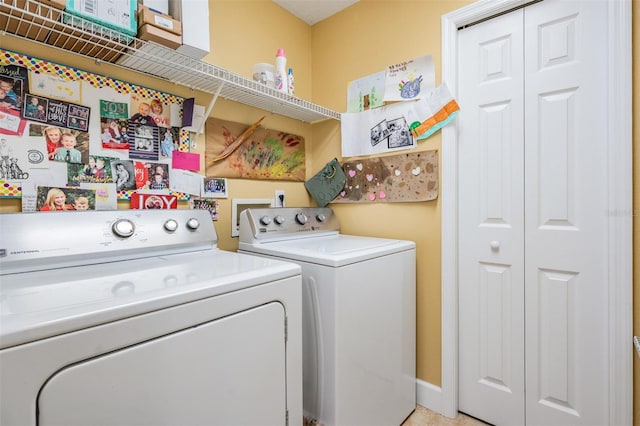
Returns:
<point x="39" y="22"/>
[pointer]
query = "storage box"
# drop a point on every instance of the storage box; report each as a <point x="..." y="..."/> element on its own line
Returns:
<point x="160" y="20"/>
<point x="151" y="33"/>
<point x="120" y="15"/>
<point x="161" y="6"/>
<point x="195" y="31"/>
<point x="26" y="25"/>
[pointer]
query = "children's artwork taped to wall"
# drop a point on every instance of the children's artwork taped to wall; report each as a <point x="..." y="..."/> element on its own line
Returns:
<point x="377" y="131"/>
<point x="397" y="178"/>
<point x="265" y="154"/>
<point x="409" y="80"/>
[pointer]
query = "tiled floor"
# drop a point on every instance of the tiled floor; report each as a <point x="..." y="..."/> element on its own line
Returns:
<point x="423" y="417"/>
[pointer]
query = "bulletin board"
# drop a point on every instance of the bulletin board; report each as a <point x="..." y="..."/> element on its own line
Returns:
<point x="124" y="135"/>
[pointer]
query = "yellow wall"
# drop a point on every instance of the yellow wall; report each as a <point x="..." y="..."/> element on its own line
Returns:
<point x="356" y="42"/>
<point x="361" y="40"/>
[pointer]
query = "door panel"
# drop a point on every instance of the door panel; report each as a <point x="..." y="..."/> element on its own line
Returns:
<point x="532" y="227"/>
<point x="491" y="346"/>
<point x="565" y="220"/>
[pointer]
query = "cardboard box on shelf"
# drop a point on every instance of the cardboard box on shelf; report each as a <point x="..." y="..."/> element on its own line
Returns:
<point x="195" y="34"/>
<point x="27" y="25"/>
<point x="160" y="20"/>
<point x="161" y="6"/>
<point x="120" y="15"/>
<point x="151" y="33"/>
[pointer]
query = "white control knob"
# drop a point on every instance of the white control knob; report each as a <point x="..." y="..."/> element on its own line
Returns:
<point x="321" y="218"/>
<point x="193" y="224"/>
<point x="265" y="220"/>
<point x="171" y="225"/>
<point x="123" y="228"/>
<point x="495" y="245"/>
<point x="301" y="218"/>
<point x="279" y="219"/>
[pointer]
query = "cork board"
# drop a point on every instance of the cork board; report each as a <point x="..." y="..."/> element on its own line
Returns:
<point x="398" y="178"/>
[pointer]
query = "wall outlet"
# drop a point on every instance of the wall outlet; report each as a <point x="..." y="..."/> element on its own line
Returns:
<point x="279" y="198"/>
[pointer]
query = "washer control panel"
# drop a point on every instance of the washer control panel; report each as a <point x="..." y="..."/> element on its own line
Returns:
<point x="286" y="222"/>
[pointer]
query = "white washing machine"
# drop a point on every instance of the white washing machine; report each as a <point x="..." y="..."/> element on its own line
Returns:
<point x="359" y="314"/>
<point x="137" y="318"/>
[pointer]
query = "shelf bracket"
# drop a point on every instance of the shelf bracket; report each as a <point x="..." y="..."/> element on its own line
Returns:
<point x="206" y="115"/>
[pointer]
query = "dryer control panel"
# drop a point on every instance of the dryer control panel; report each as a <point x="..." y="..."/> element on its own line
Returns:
<point x="38" y="241"/>
<point x="274" y="224"/>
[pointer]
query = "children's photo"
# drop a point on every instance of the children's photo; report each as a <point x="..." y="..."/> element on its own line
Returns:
<point x="142" y="108"/>
<point x="169" y="140"/>
<point x="35" y="108"/>
<point x="96" y="170"/>
<point x="159" y="112"/>
<point x="13" y="85"/>
<point x="114" y="133"/>
<point x="143" y="141"/>
<point x="64" y="199"/>
<point x="123" y="174"/>
<point x="65" y="145"/>
<point x="215" y="188"/>
<point x="78" y="118"/>
<point x="157" y="176"/>
<point x="113" y="124"/>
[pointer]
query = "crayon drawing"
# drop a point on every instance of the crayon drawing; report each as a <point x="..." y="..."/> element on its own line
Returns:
<point x="265" y="154"/>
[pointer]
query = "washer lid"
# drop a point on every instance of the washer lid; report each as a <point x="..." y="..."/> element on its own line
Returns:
<point x="41" y="304"/>
<point x="333" y="250"/>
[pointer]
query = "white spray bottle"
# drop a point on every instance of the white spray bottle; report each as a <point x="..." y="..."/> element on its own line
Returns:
<point x="281" y="71"/>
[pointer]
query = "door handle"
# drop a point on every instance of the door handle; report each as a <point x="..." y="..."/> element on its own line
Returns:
<point x="495" y="245"/>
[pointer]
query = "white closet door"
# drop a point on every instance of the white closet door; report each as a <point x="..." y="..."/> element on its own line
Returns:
<point x="532" y="216"/>
<point x="491" y="229"/>
<point x="565" y="213"/>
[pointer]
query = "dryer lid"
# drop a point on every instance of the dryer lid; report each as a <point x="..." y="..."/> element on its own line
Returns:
<point x="41" y="304"/>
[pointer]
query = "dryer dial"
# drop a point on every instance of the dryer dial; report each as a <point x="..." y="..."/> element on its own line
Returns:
<point x="171" y="225"/>
<point x="123" y="228"/>
<point x="193" y="224"/>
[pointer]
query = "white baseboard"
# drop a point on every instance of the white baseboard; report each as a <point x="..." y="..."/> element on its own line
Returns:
<point x="429" y="396"/>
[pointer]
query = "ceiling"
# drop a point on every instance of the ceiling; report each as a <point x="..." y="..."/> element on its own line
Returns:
<point x="313" y="11"/>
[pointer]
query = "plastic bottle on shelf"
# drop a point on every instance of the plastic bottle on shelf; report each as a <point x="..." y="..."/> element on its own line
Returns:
<point x="290" y="82"/>
<point x="281" y="71"/>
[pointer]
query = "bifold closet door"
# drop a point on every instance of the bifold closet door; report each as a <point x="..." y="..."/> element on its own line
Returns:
<point x="532" y="222"/>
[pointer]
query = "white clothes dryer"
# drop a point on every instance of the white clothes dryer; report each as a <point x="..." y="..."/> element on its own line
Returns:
<point x="359" y="314"/>
<point x="137" y="318"/>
